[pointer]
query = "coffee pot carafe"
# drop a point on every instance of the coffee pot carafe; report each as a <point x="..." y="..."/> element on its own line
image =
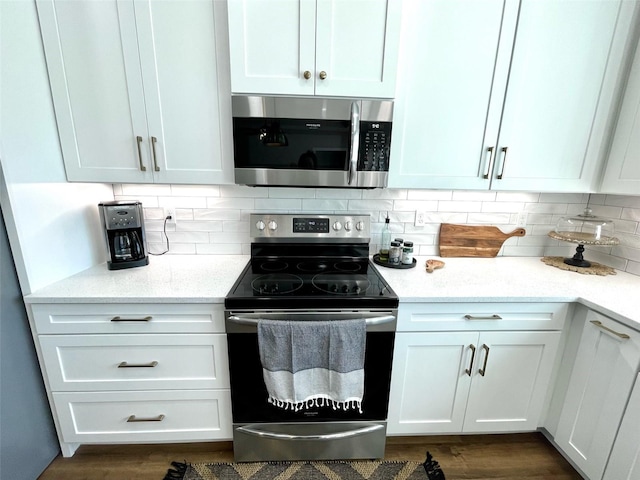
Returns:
<point x="124" y="234"/>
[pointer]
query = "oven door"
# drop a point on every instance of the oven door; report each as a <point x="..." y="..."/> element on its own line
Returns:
<point x="264" y="432"/>
<point x="280" y="141"/>
<point x="248" y="391"/>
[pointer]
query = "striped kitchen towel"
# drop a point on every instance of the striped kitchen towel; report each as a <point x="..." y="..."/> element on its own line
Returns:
<point x="313" y="363"/>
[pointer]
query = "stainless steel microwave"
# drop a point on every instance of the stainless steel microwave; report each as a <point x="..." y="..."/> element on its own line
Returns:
<point x="311" y="142"/>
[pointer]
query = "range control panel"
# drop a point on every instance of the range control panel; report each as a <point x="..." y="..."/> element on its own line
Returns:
<point x="305" y="226"/>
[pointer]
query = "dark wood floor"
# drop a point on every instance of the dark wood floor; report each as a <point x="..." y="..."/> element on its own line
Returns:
<point x="480" y="457"/>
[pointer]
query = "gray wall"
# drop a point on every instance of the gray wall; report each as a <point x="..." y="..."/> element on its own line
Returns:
<point x="28" y="441"/>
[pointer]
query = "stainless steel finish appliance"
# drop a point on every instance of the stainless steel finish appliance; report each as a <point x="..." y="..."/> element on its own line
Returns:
<point x="311" y="142"/>
<point x="124" y="233"/>
<point x="308" y="268"/>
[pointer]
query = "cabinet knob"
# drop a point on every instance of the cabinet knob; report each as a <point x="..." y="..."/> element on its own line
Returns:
<point x="323" y="75"/>
<point x="307" y="74"/>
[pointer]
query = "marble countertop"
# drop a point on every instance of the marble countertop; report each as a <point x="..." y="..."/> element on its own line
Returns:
<point x="208" y="279"/>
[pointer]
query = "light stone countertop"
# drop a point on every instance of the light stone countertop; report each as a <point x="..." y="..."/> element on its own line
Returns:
<point x="517" y="279"/>
<point x="208" y="279"/>
<point x="167" y="279"/>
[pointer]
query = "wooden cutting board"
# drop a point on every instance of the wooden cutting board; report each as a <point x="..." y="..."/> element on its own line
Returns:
<point x="473" y="241"/>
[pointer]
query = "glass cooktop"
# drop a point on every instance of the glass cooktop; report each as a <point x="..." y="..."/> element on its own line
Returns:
<point x="310" y="283"/>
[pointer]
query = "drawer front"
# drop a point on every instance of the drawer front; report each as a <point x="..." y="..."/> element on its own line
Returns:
<point x="128" y="318"/>
<point x="135" y="362"/>
<point x="130" y="417"/>
<point x="416" y="317"/>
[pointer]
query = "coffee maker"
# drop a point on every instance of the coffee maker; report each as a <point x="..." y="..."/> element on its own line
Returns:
<point x="124" y="233"/>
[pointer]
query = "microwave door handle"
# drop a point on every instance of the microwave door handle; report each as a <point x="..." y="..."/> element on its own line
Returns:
<point x="355" y="143"/>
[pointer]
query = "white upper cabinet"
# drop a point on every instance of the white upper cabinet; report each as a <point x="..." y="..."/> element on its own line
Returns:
<point x="137" y="90"/>
<point x="622" y="174"/>
<point x="314" y="47"/>
<point x="507" y="95"/>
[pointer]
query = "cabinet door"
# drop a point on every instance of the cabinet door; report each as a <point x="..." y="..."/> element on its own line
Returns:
<point x="603" y="374"/>
<point x="510" y="380"/>
<point x="622" y="174"/>
<point x="430" y="383"/>
<point x="96" y="84"/>
<point x="185" y="106"/>
<point x="356" y="47"/>
<point x="271" y="45"/>
<point x="452" y="53"/>
<point x="566" y="66"/>
<point x="624" y="463"/>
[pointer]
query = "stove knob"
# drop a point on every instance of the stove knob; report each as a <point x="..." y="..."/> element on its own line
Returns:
<point x="273" y="225"/>
<point x="347" y="226"/>
<point x="345" y="289"/>
<point x="360" y="226"/>
<point x="275" y="288"/>
<point x="263" y="289"/>
<point x="334" y="288"/>
<point x="357" y="289"/>
<point x="337" y="226"/>
<point x="260" y="225"/>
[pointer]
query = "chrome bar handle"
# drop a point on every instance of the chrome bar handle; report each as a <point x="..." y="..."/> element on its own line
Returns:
<point x="599" y="324"/>
<point x="133" y="418"/>
<point x="355" y="143"/>
<point x="148" y="318"/>
<point x="153" y="150"/>
<point x="139" y="142"/>
<point x="504" y="162"/>
<point x="137" y="365"/>
<point x="486" y="317"/>
<point x="490" y="151"/>
<point x="483" y="370"/>
<point x="327" y="436"/>
<point x="368" y="321"/>
<point x="473" y="354"/>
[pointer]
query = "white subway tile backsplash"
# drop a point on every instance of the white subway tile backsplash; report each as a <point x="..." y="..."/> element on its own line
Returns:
<point x="453" y="206"/>
<point x="488" y="218"/>
<point x="473" y="196"/>
<point x="195" y="190"/>
<point x="323" y="205"/>
<point x="211" y="226"/>
<point x="146" y="189"/>
<point x="214" y="219"/>
<point x="275" y="192"/>
<point x="524" y="197"/>
<point x="429" y="195"/>
<point x="241" y="191"/>
<point x="414" y="205"/>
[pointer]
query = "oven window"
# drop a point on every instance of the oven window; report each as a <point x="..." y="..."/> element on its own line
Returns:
<point x="249" y="394"/>
<point x="291" y="143"/>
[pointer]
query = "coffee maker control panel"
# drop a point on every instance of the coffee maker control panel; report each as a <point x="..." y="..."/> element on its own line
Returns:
<point x="117" y="217"/>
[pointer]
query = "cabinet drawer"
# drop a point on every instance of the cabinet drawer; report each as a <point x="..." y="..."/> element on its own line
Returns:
<point x="106" y="417"/>
<point x="128" y="318"/>
<point x="134" y="362"/>
<point x="481" y="316"/>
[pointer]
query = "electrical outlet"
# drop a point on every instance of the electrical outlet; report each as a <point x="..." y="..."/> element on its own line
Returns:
<point x="170" y="215"/>
<point x="420" y="219"/>
<point x="521" y="221"/>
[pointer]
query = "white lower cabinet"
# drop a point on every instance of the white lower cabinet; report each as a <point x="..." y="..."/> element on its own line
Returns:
<point x="479" y="368"/>
<point x="128" y="373"/>
<point x="624" y="462"/>
<point x="604" y="371"/>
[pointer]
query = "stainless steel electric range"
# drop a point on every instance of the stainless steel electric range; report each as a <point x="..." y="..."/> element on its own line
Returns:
<point x="309" y="268"/>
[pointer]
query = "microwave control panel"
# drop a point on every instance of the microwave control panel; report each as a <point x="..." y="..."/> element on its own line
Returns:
<point x="375" y="143"/>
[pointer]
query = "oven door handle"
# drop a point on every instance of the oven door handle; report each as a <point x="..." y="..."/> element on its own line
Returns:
<point x="326" y="436"/>
<point x="368" y="321"/>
